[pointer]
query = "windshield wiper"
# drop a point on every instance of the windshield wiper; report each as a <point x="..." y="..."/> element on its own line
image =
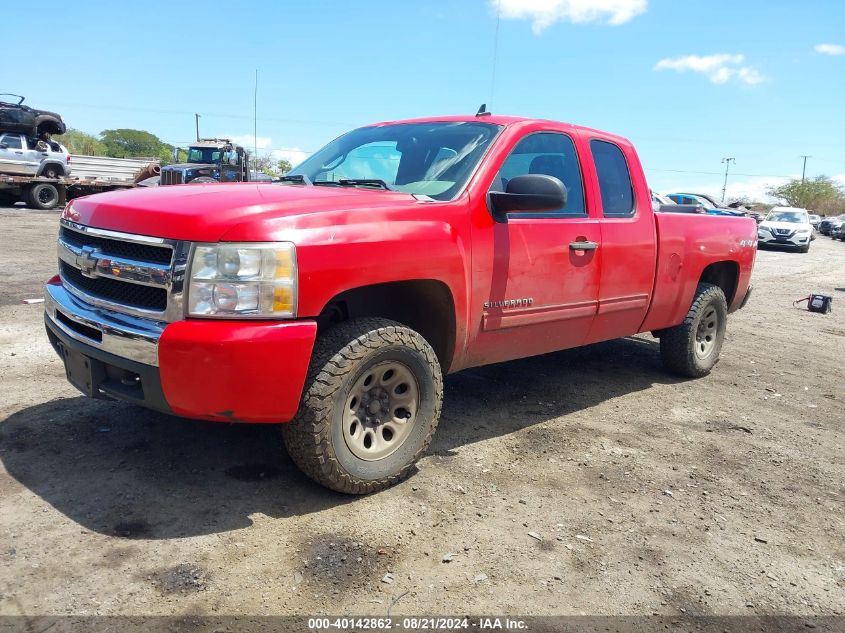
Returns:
<point x="299" y="179"/>
<point x="356" y="182"/>
<point x="365" y="182"/>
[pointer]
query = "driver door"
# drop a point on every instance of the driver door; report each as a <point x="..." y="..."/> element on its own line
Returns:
<point x="11" y="154"/>
<point x="533" y="291"/>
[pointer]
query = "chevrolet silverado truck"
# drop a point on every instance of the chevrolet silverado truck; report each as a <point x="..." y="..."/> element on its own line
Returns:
<point x="336" y="300"/>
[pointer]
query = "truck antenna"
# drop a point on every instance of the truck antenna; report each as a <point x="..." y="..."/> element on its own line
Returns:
<point x="255" y="117"/>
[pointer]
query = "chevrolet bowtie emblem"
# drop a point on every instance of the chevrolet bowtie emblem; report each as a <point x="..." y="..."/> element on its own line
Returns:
<point x="87" y="261"/>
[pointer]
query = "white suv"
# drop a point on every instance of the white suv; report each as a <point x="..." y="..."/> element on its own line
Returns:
<point x="786" y="226"/>
<point x="24" y="156"/>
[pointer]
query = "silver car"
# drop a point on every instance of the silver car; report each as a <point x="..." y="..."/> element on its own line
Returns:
<point x="24" y="156"/>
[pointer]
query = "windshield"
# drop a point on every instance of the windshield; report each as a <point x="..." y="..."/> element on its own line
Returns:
<point x="210" y="155"/>
<point x="796" y="217"/>
<point x="429" y="159"/>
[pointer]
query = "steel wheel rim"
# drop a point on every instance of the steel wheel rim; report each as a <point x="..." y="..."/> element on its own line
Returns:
<point x="706" y="334"/>
<point x="45" y="196"/>
<point x="380" y="411"/>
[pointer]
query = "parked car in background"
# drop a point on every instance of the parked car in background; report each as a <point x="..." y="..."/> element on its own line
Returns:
<point x="658" y="200"/>
<point x="815" y="219"/>
<point x="786" y="226"/>
<point x="664" y="204"/>
<point x="26" y="156"/>
<point x="825" y="226"/>
<point x="706" y="202"/>
<point x="837" y="227"/>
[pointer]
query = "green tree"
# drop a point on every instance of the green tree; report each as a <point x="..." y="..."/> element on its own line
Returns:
<point x="283" y="167"/>
<point x="820" y="194"/>
<point x="127" y="143"/>
<point x="79" y="142"/>
<point x="262" y="164"/>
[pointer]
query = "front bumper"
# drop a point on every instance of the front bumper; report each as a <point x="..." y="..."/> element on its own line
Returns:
<point x="795" y="240"/>
<point x="236" y="371"/>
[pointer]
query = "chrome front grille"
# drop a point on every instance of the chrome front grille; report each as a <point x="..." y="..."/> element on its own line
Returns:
<point x="133" y="274"/>
<point x="170" y="177"/>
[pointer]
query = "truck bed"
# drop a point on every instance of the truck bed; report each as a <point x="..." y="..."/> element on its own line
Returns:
<point x="686" y="245"/>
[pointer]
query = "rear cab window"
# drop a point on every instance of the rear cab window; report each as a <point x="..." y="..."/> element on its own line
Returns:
<point x="614" y="177"/>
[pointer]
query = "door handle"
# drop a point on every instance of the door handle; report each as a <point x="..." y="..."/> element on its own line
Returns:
<point x="583" y="246"/>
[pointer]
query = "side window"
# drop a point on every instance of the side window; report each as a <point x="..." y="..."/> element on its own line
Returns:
<point x="617" y="194"/>
<point x="548" y="153"/>
<point x="13" y="141"/>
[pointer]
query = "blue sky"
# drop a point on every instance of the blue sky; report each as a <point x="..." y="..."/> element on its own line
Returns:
<point x="688" y="82"/>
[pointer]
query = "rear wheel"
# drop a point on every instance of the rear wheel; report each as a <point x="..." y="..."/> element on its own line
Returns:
<point x="52" y="171"/>
<point x="369" y="407"/>
<point x="692" y="348"/>
<point x="43" y="195"/>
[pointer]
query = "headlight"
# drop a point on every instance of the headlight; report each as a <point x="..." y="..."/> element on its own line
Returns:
<point x="243" y="280"/>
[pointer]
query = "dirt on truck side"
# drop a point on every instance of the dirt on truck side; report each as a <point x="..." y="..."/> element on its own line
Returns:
<point x="551" y="483"/>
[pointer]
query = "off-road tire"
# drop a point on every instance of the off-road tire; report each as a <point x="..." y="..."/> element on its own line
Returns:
<point x="314" y="438"/>
<point x="42" y="195"/>
<point x="804" y="249"/>
<point x="678" y="343"/>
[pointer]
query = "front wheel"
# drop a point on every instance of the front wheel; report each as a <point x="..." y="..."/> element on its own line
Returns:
<point x="692" y="348"/>
<point x="369" y="407"/>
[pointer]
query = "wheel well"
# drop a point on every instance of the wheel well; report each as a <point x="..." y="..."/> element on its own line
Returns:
<point x="424" y="305"/>
<point x="722" y="274"/>
<point x="59" y="167"/>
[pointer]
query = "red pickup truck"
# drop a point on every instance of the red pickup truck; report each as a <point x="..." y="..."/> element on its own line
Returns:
<point x="336" y="299"/>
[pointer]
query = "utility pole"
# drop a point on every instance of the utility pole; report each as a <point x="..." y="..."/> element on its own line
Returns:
<point x="197" y="118"/>
<point x="727" y="162"/>
<point x="804" y="170"/>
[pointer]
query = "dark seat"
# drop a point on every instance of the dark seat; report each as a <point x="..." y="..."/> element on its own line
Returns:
<point x="556" y="165"/>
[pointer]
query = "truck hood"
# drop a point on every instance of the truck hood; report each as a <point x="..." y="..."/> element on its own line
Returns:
<point x="207" y="212"/>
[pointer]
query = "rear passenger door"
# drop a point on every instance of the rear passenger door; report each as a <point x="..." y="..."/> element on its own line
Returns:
<point x="628" y="237"/>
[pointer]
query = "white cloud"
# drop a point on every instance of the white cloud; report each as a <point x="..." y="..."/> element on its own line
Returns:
<point x="719" y="69"/>
<point x="249" y="141"/>
<point x="544" y="13"/>
<point x="293" y="155"/>
<point x="830" y="49"/>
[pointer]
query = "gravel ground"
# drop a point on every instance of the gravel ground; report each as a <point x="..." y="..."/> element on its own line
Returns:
<point x="582" y="482"/>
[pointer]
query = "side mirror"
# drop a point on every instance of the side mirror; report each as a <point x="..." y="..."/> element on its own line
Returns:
<point x="4" y="146"/>
<point x="176" y="154"/>
<point x="532" y="192"/>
